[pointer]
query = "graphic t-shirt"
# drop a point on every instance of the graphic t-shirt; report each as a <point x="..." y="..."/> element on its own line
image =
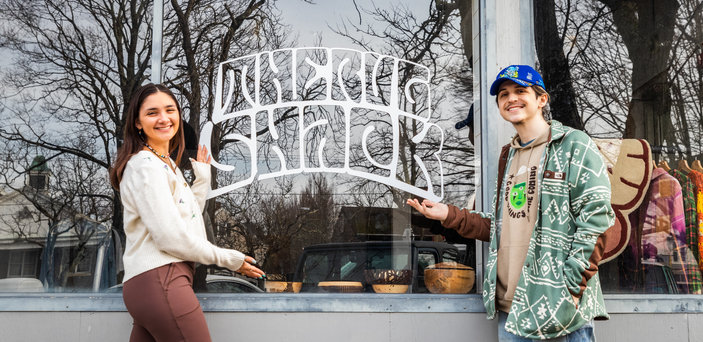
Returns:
<point x="520" y="207"/>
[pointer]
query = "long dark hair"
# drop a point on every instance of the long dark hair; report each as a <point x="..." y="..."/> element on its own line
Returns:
<point x="133" y="142"/>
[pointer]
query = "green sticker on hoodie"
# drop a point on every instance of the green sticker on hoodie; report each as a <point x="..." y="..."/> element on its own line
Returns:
<point x="517" y="196"/>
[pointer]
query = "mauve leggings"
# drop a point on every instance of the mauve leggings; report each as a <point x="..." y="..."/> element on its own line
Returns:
<point x="164" y="308"/>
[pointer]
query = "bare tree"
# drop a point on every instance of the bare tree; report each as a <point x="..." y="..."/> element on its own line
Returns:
<point x="626" y="35"/>
<point x="554" y="65"/>
<point x="598" y="64"/>
<point x="274" y="225"/>
<point x="435" y="41"/>
<point x="686" y="77"/>
<point x="202" y="34"/>
<point x="71" y="208"/>
<point x="647" y="29"/>
<point x="77" y="63"/>
<point x="634" y="65"/>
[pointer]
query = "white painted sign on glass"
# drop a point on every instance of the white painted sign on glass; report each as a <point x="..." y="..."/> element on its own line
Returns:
<point x="343" y="111"/>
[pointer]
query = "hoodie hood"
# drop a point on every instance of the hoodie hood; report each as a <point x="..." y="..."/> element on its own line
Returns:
<point x="540" y="139"/>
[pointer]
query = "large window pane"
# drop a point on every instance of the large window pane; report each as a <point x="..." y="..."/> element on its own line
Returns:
<point x="321" y="146"/>
<point x="322" y="118"/>
<point x="633" y="70"/>
<point x="67" y="69"/>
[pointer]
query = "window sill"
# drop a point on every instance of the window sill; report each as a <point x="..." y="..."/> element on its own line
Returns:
<point x="391" y="303"/>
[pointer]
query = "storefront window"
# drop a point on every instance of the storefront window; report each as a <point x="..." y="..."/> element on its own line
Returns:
<point x="322" y="119"/>
<point x="625" y="70"/>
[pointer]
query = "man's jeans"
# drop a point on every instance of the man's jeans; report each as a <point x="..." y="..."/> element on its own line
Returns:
<point x="583" y="334"/>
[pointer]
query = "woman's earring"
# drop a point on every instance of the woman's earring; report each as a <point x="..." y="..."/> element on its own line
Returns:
<point x="141" y="133"/>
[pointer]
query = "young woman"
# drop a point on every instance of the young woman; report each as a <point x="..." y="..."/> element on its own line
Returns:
<point x="163" y="222"/>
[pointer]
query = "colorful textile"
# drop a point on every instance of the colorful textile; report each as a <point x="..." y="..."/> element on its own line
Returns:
<point x="697" y="179"/>
<point x="688" y="192"/>
<point x="663" y="230"/>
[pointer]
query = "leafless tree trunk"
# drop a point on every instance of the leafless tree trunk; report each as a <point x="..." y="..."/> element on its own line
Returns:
<point x="647" y="29"/>
<point x="554" y="65"/>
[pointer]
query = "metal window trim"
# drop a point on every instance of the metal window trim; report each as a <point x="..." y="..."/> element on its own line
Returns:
<point x="157" y="41"/>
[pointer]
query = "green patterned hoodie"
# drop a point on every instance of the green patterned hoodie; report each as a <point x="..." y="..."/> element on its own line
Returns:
<point x="566" y="244"/>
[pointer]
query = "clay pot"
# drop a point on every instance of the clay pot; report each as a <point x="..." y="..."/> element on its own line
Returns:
<point x="390" y="288"/>
<point x="341" y="286"/>
<point x="389" y="281"/>
<point x="282" y="286"/>
<point x="449" y="277"/>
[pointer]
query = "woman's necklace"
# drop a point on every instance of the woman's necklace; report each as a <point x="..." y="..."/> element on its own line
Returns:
<point x="156" y="153"/>
<point x="165" y="158"/>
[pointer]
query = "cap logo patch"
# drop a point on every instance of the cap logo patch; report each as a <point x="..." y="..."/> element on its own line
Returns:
<point x="523" y="75"/>
<point x="510" y="72"/>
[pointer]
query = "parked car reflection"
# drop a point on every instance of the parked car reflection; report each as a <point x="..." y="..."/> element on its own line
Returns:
<point x="217" y="284"/>
<point x="227" y="284"/>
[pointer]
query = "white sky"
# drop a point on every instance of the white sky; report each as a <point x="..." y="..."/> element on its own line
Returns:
<point x="309" y="21"/>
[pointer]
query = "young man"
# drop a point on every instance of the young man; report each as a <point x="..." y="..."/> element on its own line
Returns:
<point x="545" y="231"/>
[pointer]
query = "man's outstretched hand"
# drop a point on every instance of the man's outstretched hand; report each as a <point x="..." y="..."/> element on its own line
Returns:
<point x="431" y="210"/>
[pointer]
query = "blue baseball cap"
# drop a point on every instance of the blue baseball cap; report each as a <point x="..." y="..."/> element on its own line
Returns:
<point x="523" y="75"/>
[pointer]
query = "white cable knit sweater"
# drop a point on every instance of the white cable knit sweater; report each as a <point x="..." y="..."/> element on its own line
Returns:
<point x="163" y="217"/>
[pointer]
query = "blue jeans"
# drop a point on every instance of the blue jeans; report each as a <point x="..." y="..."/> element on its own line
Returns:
<point x="583" y="334"/>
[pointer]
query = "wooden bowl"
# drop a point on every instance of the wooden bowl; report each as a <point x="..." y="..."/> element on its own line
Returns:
<point x="449" y="277"/>
<point x="390" y="288"/>
<point x="276" y="286"/>
<point x="341" y="286"/>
